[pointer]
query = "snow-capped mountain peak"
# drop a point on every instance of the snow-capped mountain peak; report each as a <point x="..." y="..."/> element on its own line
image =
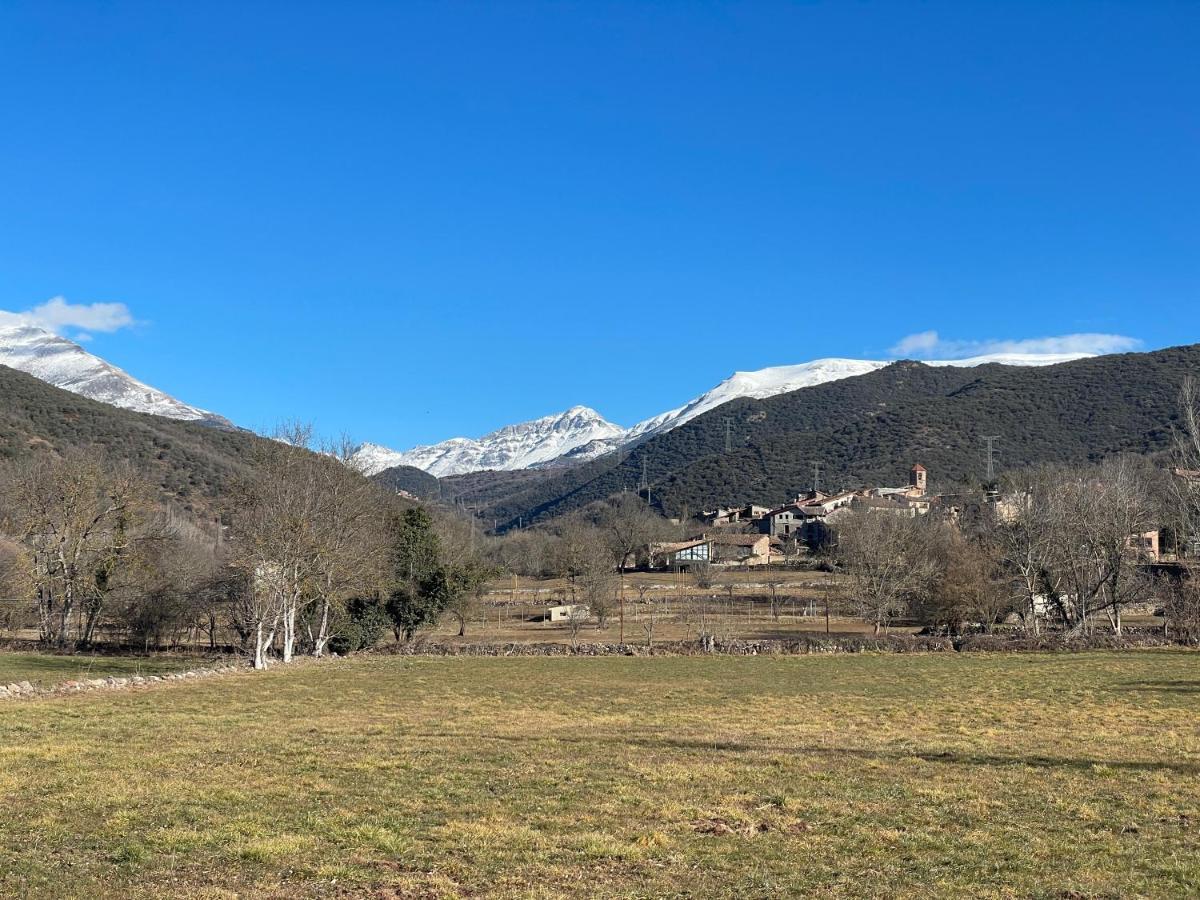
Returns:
<point x="757" y="385"/>
<point x="580" y="433"/>
<point x="520" y="446"/>
<point x="64" y="364"/>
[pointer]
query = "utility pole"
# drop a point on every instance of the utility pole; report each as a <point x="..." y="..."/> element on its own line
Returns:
<point x="990" y="441"/>
<point x="816" y="477"/>
<point x="470" y="511"/>
<point x="728" y="435"/>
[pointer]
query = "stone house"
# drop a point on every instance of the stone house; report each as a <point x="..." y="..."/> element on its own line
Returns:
<point x="718" y="549"/>
<point x="740" y="549"/>
<point x="742" y="515"/>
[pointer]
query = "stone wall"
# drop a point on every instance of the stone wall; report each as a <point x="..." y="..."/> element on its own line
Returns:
<point x="19" y="689"/>
<point x="800" y="645"/>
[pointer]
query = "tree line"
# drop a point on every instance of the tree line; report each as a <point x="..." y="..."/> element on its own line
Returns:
<point x="1062" y="544"/>
<point x="308" y="556"/>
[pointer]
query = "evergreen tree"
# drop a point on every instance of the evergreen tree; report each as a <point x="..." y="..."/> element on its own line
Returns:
<point x="418" y="593"/>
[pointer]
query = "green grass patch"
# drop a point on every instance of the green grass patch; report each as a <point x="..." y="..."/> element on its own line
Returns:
<point x="933" y="776"/>
<point x="47" y="669"/>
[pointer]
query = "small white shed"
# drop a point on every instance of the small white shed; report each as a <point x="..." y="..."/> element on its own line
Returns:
<point x="567" y="612"/>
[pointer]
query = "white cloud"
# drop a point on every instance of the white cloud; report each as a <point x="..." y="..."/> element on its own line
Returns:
<point x="929" y="345"/>
<point x="58" y="315"/>
<point x="921" y="344"/>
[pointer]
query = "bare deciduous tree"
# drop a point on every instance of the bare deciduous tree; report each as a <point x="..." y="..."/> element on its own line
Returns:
<point x="1182" y="609"/>
<point x="629" y="526"/>
<point x="967" y="586"/>
<point x="1024" y="532"/>
<point x="76" y="517"/>
<point x="577" y="617"/>
<point x="1095" y="514"/>
<point x="349" y="539"/>
<point x="276" y="540"/>
<point x="1184" y="488"/>
<point x="703" y="575"/>
<point x="888" y="561"/>
<point x="596" y="587"/>
<point x="774" y="583"/>
<point x="1070" y="540"/>
<point x="648" y="604"/>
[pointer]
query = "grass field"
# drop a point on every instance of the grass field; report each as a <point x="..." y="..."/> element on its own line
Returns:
<point x="45" y="669"/>
<point x="933" y="776"/>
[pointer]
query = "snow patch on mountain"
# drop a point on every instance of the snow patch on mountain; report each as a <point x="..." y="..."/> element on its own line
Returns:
<point x="581" y="434"/>
<point x="758" y="386"/>
<point x="776" y="380"/>
<point x="1011" y="359"/>
<point x="520" y="446"/>
<point x="64" y="364"/>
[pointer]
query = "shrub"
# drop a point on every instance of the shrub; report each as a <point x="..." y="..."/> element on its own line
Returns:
<point x="365" y="622"/>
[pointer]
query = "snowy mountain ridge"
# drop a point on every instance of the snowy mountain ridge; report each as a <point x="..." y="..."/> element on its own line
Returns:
<point x="64" y="364"/>
<point x="580" y="433"/>
<point x="521" y="446"/>
<point x="576" y="435"/>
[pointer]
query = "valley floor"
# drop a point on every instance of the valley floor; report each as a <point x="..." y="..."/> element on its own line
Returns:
<point x="44" y="670"/>
<point x="947" y="775"/>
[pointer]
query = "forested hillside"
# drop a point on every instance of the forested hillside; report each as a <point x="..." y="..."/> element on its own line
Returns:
<point x="866" y="429"/>
<point x="411" y="480"/>
<point x="192" y="463"/>
<point x="871" y="428"/>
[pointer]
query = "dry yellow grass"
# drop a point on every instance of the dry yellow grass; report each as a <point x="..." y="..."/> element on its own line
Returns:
<point x="46" y="669"/>
<point x="931" y="776"/>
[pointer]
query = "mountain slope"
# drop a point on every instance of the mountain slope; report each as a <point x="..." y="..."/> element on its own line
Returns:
<point x="522" y="446"/>
<point x="580" y="434"/>
<point x="411" y="481"/>
<point x="193" y="463"/>
<point x="871" y="428"/>
<point x="770" y="382"/>
<point x="66" y="365"/>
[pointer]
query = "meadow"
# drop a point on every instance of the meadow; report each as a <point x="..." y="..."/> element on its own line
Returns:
<point x="48" y="669"/>
<point x="941" y="775"/>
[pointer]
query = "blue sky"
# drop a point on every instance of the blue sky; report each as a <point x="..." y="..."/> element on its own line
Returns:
<point x="407" y="221"/>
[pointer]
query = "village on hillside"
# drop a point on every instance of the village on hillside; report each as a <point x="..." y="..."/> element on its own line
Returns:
<point x="753" y="535"/>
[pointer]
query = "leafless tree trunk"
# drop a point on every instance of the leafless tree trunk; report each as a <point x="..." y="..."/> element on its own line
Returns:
<point x="648" y="602"/>
<point x="77" y="517"/>
<point x="1184" y="489"/>
<point x="776" y="604"/>
<point x="889" y="563"/>
<point x="1096" y="514"/>
<point x="577" y="617"/>
<point x="630" y="527"/>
